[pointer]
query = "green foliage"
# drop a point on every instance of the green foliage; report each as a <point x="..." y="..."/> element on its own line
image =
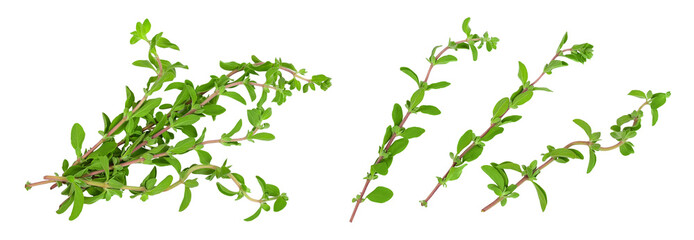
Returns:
<point x="147" y="129"/>
<point x="380" y="195"/>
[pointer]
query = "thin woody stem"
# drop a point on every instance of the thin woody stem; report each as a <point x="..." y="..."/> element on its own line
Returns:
<point x="438" y="185"/>
<point x="587" y="143"/>
<point x="392" y="137"/>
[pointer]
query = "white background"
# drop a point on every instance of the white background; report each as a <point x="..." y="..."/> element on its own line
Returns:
<point x="67" y="62"/>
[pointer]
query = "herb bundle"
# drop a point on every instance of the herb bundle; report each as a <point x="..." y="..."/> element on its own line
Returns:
<point x="497" y="172"/>
<point x="475" y="144"/>
<point x="101" y="172"/>
<point x="390" y="146"/>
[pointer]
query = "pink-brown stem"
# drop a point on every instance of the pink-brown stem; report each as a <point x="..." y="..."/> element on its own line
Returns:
<point x="438" y="185"/>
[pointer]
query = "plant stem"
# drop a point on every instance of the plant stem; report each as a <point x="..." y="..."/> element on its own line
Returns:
<point x="392" y="137"/>
<point x="587" y="143"/>
<point x="438" y="184"/>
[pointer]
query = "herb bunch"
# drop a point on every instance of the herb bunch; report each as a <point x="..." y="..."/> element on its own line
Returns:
<point x="474" y="145"/>
<point x="397" y="136"/>
<point x="101" y="172"/>
<point x="497" y="172"/>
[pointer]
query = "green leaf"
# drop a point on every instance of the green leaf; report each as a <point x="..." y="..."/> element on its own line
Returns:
<point x="428" y="109"/>
<point x="144" y="63"/>
<point x="455" y="173"/>
<point x="398" y="146"/>
<point x="500" y="108"/>
<point x="541" y="195"/>
<point x="413" y="132"/>
<point x="65" y="205"/>
<point x="638" y="94"/>
<point x="438" y="85"/>
<point x="626" y="148"/>
<point x="553" y="65"/>
<point x="592" y="161"/>
<point x="510" y="119"/>
<point x="510" y="165"/>
<point x="464" y="140"/>
<point x="254" y="117"/>
<point x="263" y="136"/>
<point x="584" y="126"/>
<point x="162" y="185"/>
<point x="522" y="72"/>
<point x="473" y="49"/>
<point x="183" y="146"/>
<point x="466" y="27"/>
<point x="522" y="98"/>
<point x="212" y="110"/>
<point x="416" y="98"/>
<point x="492" y="132"/>
<point x="186" y="200"/>
<point x="446" y="59"/>
<point x="473" y="154"/>
<point x="410" y="73"/>
<point x="147" y="107"/>
<point x="225" y="190"/>
<point x="254" y="216"/>
<point x="380" y="195"/>
<point x="78" y="198"/>
<point x="235" y="96"/>
<point x="658" y="100"/>
<point x="654" y="113"/>
<point x="280" y="203"/>
<point x="229" y="66"/>
<point x="205" y="157"/>
<point x="563" y="152"/>
<point x="397" y="114"/>
<point x="563" y="41"/>
<point x="186" y="120"/>
<point x="77" y="138"/>
<point x="236" y="128"/>
<point x="495" y="175"/>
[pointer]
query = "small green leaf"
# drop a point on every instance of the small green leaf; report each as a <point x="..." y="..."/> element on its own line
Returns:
<point x="658" y="100"/>
<point x="235" y="96"/>
<point x="162" y="185"/>
<point x="204" y="156"/>
<point x="254" y="216"/>
<point x="77" y="138"/>
<point x="500" y="108"/>
<point x="280" y="203"/>
<point x="492" y="132"/>
<point x="522" y="72"/>
<point x="183" y="146"/>
<point x="638" y="94"/>
<point x="473" y="49"/>
<point x="186" y="120"/>
<point x="466" y="27"/>
<point x="78" y="198"/>
<point x="553" y="65"/>
<point x="541" y="195"/>
<point x="147" y="107"/>
<point x="522" y="98"/>
<point x="236" y="128"/>
<point x="186" y="200"/>
<point x="592" y="161"/>
<point x="563" y="41"/>
<point x="410" y="73"/>
<point x="473" y="154"/>
<point x="398" y="146"/>
<point x="380" y="195"/>
<point x="464" y="140"/>
<point x="225" y="190"/>
<point x="563" y="152"/>
<point x="144" y="63"/>
<point x="263" y="136"/>
<point x="413" y="132"/>
<point x="212" y="110"/>
<point x="494" y="174"/>
<point x="428" y="109"/>
<point x="654" y="114"/>
<point x="397" y="114"/>
<point x="438" y="85"/>
<point x="626" y="148"/>
<point x="584" y="126"/>
<point x="455" y="173"/>
<point x="446" y="59"/>
<point x="416" y="98"/>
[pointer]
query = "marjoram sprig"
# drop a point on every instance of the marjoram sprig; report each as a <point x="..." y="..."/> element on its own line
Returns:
<point x="475" y="144"/>
<point x="397" y="136"/>
<point x="497" y="172"/>
<point x="101" y="171"/>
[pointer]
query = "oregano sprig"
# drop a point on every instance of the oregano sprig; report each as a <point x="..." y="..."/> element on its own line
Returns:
<point x="497" y="172"/>
<point x="101" y="171"/>
<point x="470" y="146"/>
<point x="397" y="136"/>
